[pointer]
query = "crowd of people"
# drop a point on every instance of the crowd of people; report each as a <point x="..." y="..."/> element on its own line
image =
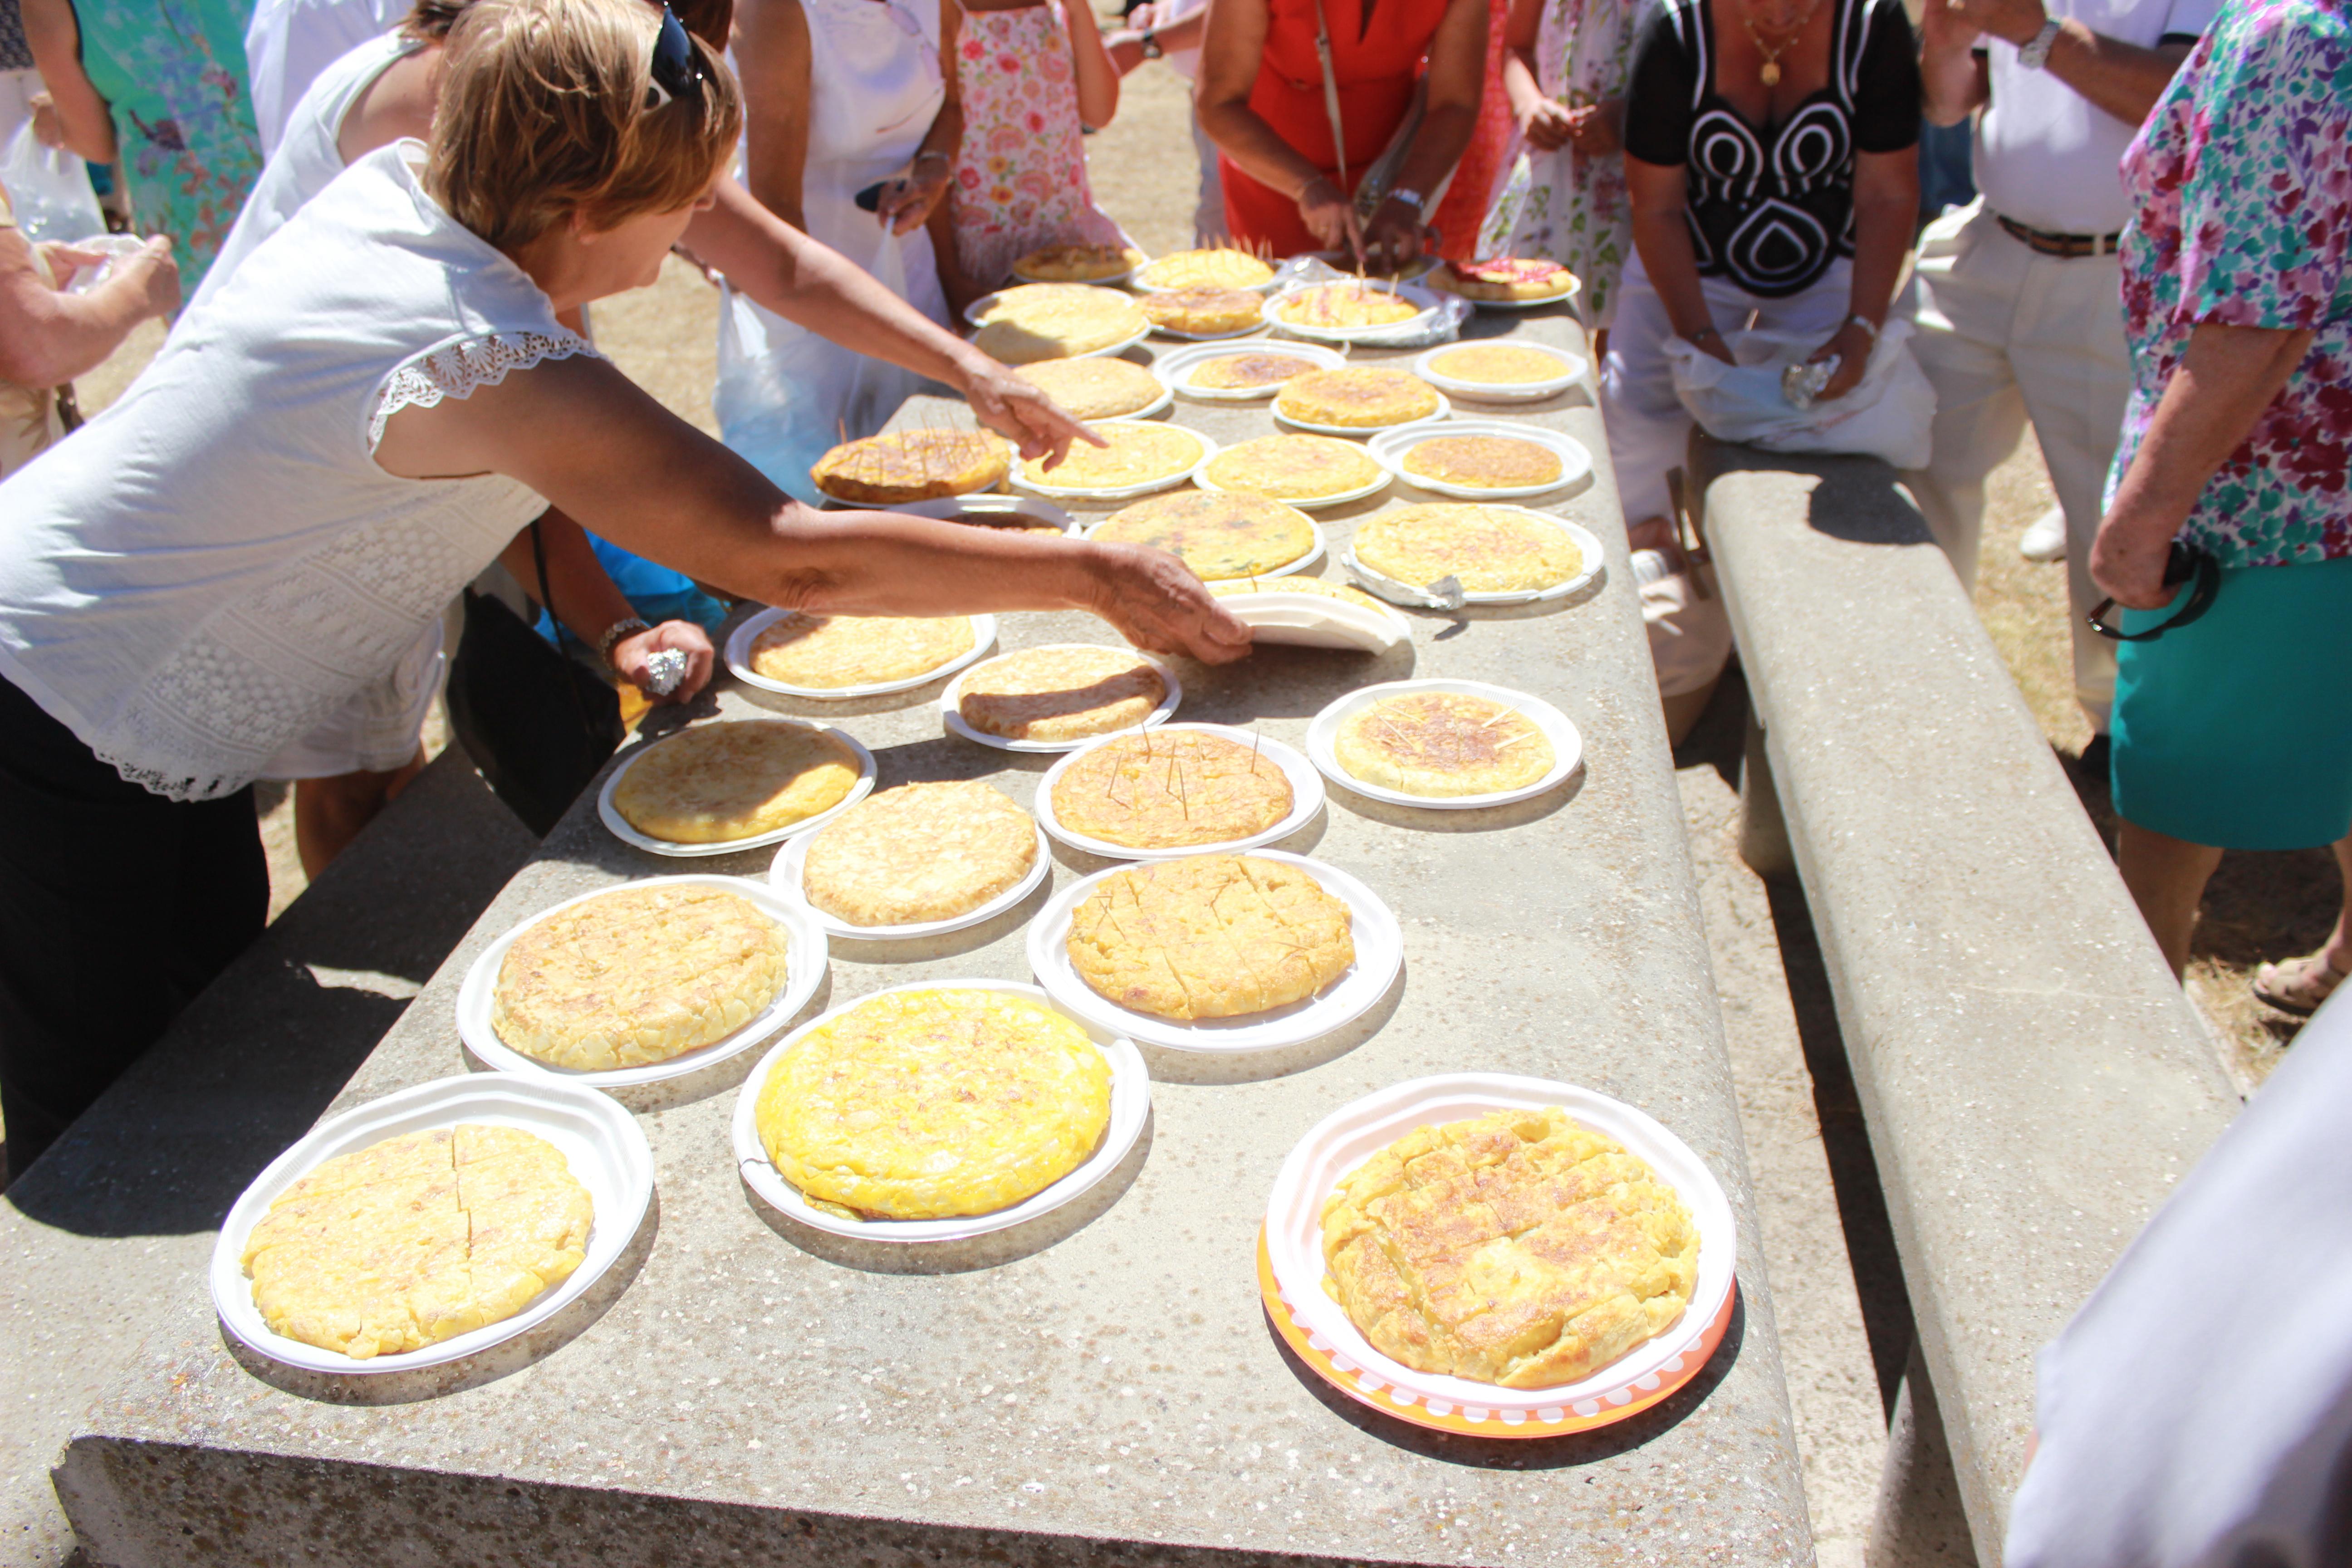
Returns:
<point x="378" y="230"/>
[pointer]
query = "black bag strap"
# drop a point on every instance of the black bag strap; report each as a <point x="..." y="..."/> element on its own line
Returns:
<point x="547" y="603"/>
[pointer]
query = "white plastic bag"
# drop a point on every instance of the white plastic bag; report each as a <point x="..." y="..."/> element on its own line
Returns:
<point x="1891" y="414"/>
<point x="49" y="190"/>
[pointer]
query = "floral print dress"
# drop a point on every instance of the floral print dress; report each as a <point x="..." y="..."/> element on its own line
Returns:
<point x="2242" y="188"/>
<point x="1020" y="174"/>
<point x="1565" y="205"/>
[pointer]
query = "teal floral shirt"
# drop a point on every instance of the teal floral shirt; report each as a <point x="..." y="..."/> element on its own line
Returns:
<point x="2241" y="186"/>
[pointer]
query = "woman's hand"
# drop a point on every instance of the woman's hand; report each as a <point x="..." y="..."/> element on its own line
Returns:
<point x="1329" y="217"/>
<point x="1022" y="414"/>
<point x="2127" y="560"/>
<point x="1548" y="124"/>
<point x="1711" y="342"/>
<point x="631" y="652"/>
<point x="1158" y="605"/>
<point x="1600" y="128"/>
<point x="1852" y="345"/>
<point x="1394" y="238"/>
<point x="906" y="201"/>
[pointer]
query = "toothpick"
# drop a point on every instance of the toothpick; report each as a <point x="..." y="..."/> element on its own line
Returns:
<point x="1255" y="737"/>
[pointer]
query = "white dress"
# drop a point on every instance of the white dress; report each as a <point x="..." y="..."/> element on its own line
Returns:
<point x="217" y="563"/>
<point x="288" y="44"/>
<point x="785" y="396"/>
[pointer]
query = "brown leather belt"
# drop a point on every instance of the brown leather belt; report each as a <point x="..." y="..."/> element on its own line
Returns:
<point x="2066" y="246"/>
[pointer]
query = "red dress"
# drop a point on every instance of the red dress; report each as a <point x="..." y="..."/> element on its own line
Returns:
<point x="1376" y="67"/>
<point x="1460" y="215"/>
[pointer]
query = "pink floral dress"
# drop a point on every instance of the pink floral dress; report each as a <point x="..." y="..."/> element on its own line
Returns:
<point x="1020" y="174"/>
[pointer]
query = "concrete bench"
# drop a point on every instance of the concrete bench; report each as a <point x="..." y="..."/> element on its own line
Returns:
<point x="100" y="1238"/>
<point x="2032" y="1078"/>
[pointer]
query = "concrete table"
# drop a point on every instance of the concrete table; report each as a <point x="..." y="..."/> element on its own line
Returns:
<point x="1101" y="1385"/>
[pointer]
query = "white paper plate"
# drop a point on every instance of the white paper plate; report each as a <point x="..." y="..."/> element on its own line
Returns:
<point x="1306" y="799"/>
<point x="1254" y="328"/>
<point x="1390" y="446"/>
<point x="1348" y="1137"/>
<point x="1567" y="742"/>
<point x="786" y="877"/>
<point x="1575" y="288"/>
<point x="1571" y="371"/>
<point x="954" y="506"/>
<point x="952" y="717"/>
<point x="1121" y="493"/>
<point x="1588" y="546"/>
<point x="1130" y="1105"/>
<point x="1201" y="480"/>
<point x="739" y="662"/>
<point x="1314" y="620"/>
<point x="1380" y="951"/>
<point x="804" y="971"/>
<point x="1314" y="551"/>
<point x="1362" y="432"/>
<point x="1411" y="293"/>
<point x="621" y="829"/>
<point x="1174" y="365"/>
<point x="602" y="1143"/>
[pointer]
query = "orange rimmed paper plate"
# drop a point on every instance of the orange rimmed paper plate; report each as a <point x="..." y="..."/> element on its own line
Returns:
<point x="1290" y="1264"/>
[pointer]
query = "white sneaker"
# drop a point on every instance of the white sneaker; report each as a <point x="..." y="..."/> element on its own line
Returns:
<point x="2044" y="538"/>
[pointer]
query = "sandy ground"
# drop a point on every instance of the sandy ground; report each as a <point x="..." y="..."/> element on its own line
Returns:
<point x="1836" y="1289"/>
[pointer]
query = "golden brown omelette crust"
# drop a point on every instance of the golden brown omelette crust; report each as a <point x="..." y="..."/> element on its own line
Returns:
<point x="1347" y="305"/>
<point x="1518" y="1248"/>
<point x="1491" y="462"/>
<point x="1441" y="744"/>
<point x="735" y="779"/>
<point x="1221" y="268"/>
<point x="1498" y="364"/>
<point x="1217" y="936"/>
<point x="637" y="976"/>
<point x="1301" y="584"/>
<point x="1203" y="308"/>
<point x="912" y="465"/>
<point x="1168" y="791"/>
<point x="1056" y="321"/>
<point x="1506" y="278"/>
<point x="1237" y="372"/>
<point x="1060" y="693"/>
<point x="920" y="852"/>
<point x="1356" y="398"/>
<point x="1293" y="468"/>
<point x="1491" y="548"/>
<point x="416" y="1239"/>
<point x="1217" y="535"/>
<point x="827" y="651"/>
<point x="1139" y="453"/>
<point x="1096" y="388"/>
<point x="1079" y="263"/>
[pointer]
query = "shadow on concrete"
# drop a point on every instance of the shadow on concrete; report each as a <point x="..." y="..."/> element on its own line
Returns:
<point x="974" y="1253"/>
<point x="251" y="1064"/>
<point x="1565" y="1452"/>
<point x="484" y="1366"/>
<point x="1169" y="1066"/>
<point x="1717" y="741"/>
<point x="1300" y="842"/>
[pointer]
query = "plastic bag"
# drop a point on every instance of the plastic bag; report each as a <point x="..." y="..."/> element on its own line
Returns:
<point x="48" y="191"/>
<point x="1890" y="413"/>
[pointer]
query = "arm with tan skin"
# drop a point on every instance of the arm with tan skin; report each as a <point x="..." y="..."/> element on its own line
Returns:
<point x="590" y="604"/>
<point x="1126" y="46"/>
<point x="907" y="205"/>
<point x="1657" y="193"/>
<point x="771" y="53"/>
<point x="597" y="447"/>
<point x="2122" y="78"/>
<point x="1546" y="123"/>
<point x="47" y="338"/>
<point x="2226" y="378"/>
<point x="1232" y="49"/>
<point x="1098" y="76"/>
<point x="1885" y="211"/>
<point x="1456" y="80"/>
<point x="82" y="125"/>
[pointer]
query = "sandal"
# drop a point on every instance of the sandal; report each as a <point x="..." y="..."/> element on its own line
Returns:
<point x="2299" y="984"/>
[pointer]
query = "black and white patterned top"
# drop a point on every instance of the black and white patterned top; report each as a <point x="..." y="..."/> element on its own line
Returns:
<point x="1770" y="207"/>
<point x="16" y="54"/>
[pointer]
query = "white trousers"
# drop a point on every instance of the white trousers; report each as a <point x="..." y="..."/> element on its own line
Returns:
<point x="1649" y="434"/>
<point x="2006" y="335"/>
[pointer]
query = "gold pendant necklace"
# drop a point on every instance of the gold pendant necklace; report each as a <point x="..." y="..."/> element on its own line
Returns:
<point x="1770" y="73"/>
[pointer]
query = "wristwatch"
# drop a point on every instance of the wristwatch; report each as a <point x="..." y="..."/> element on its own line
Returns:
<point x="1151" y="41"/>
<point x="2034" y="53"/>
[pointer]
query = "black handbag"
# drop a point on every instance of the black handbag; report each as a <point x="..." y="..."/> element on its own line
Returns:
<point x="536" y="723"/>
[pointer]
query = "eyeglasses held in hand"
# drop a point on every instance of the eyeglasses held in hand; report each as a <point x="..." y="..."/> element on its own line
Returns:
<point x="2186" y="561"/>
<point x="676" y="71"/>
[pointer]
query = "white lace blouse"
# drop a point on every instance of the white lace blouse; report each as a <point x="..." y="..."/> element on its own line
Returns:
<point x="217" y="563"/>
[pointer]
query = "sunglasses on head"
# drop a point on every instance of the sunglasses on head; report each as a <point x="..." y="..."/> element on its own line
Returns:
<point x="676" y="71"/>
<point x="2186" y="561"/>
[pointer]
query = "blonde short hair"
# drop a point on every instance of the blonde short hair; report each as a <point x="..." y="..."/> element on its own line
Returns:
<point x="543" y="114"/>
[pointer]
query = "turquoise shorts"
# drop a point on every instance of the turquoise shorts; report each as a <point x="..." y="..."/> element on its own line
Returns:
<point x="2236" y="730"/>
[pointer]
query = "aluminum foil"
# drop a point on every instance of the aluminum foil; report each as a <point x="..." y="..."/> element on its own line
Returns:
<point x="1802" y="384"/>
<point x="1445" y="594"/>
<point x="664" y="668"/>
